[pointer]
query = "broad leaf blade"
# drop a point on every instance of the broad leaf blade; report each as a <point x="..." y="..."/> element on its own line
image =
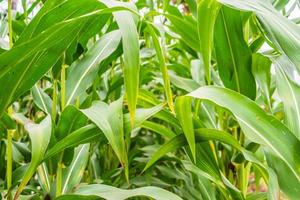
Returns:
<point x="113" y="193"/>
<point x="284" y="33"/>
<point x="289" y="93"/>
<point x="109" y="118"/>
<point x="233" y="54"/>
<point x="207" y="13"/>
<point x="41" y="99"/>
<point x="131" y="51"/>
<point x="256" y="124"/>
<point x="40" y="137"/>
<point x="73" y="174"/>
<point x="183" y="109"/>
<point x="83" y="72"/>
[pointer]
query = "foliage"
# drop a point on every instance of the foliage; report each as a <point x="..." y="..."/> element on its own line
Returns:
<point x="181" y="99"/>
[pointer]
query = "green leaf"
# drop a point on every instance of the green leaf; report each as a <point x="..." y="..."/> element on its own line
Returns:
<point x="70" y="120"/>
<point x="261" y="69"/>
<point x="233" y="54"/>
<point x="207" y="13"/>
<point x="183" y="109"/>
<point x="40" y="137"/>
<point x="83" y="72"/>
<point x="200" y="136"/>
<point x="273" y="187"/>
<point x="131" y="52"/>
<point x="44" y="50"/>
<point x="288" y="183"/>
<point x="183" y="83"/>
<point x="158" y="128"/>
<point x="109" y="119"/>
<point x="289" y="93"/>
<point x="80" y="136"/>
<point x="73" y="174"/>
<point x="43" y="177"/>
<point x="258" y="126"/>
<point x="113" y="193"/>
<point x="163" y="67"/>
<point x="186" y="28"/>
<point x="77" y="197"/>
<point x="142" y="114"/>
<point x="283" y="33"/>
<point x="171" y="145"/>
<point x="41" y="99"/>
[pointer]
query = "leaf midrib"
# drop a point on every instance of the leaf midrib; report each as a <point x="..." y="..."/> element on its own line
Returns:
<point x="86" y="71"/>
<point x="231" y="51"/>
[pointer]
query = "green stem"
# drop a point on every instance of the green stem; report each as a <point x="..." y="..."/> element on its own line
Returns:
<point x="59" y="176"/>
<point x="10" y="112"/>
<point x="54" y="100"/>
<point x="63" y="86"/>
<point x="9" y="163"/>
<point x="242" y="171"/>
<point x="63" y="103"/>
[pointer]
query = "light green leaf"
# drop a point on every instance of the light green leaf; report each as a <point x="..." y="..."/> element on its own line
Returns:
<point x="142" y="114"/>
<point x="183" y="109"/>
<point x="82" y="72"/>
<point x="289" y="93"/>
<point x="73" y="174"/>
<point x="113" y="193"/>
<point x="186" y="28"/>
<point x="207" y="13"/>
<point x="261" y="69"/>
<point x="258" y="126"/>
<point x="131" y="51"/>
<point x="40" y="137"/>
<point x="163" y="67"/>
<point x="41" y="99"/>
<point x="80" y="136"/>
<point x="43" y="51"/>
<point x="158" y="128"/>
<point x="109" y="118"/>
<point x="183" y="83"/>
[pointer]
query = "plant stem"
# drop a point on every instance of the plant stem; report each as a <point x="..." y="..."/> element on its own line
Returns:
<point x="54" y="100"/>
<point x="63" y="95"/>
<point x="63" y="86"/>
<point x="9" y="163"/>
<point x="10" y="112"/>
<point x="59" y="177"/>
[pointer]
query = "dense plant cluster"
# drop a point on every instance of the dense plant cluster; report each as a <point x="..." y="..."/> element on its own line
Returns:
<point x="150" y="99"/>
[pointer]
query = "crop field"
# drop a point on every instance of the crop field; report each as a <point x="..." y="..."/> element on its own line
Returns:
<point x="150" y="99"/>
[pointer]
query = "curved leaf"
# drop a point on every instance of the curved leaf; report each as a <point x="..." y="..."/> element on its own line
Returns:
<point x="256" y="124"/>
<point x="40" y="137"/>
<point x="73" y="174"/>
<point x="207" y="13"/>
<point x="284" y="33"/>
<point x="131" y="51"/>
<point x="163" y="67"/>
<point x="112" y="193"/>
<point x="109" y="119"/>
<point x="183" y="108"/>
<point x="41" y="99"/>
<point x="289" y="93"/>
<point x="83" y="72"/>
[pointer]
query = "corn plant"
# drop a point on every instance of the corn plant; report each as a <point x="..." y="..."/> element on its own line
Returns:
<point x="167" y="100"/>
